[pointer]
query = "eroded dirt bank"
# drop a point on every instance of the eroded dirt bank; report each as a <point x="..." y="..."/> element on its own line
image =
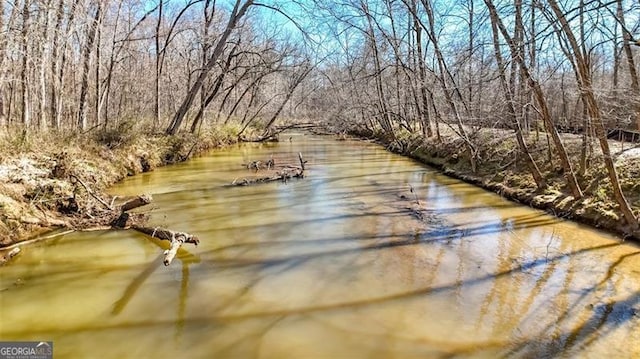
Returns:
<point x="502" y="169"/>
<point x="54" y="180"/>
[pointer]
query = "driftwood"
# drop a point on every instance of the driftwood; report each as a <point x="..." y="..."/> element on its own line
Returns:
<point x="126" y="220"/>
<point x="135" y="203"/>
<point x="112" y="217"/>
<point x="121" y="218"/>
<point x="177" y="239"/>
<point x="284" y="172"/>
<point x="9" y="255"/>
<point x="261" y="165"/>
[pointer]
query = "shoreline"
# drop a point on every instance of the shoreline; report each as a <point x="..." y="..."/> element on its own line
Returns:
<point x="47" y="189"/>
<point x="449" y="160"/>
<point x="150" y="152"/>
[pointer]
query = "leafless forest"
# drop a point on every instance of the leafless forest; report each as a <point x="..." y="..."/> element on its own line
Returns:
<point x="389" y="67"/>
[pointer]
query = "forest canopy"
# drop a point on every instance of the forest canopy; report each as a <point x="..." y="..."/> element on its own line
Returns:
<point x="389" y="64"/>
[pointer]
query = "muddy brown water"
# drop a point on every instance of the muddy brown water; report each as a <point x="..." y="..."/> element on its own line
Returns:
<point x="334" y="265"/>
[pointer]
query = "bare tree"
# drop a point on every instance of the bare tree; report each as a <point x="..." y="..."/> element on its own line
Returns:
<point x="533" y="167"/>
<point x="24" y="77"/>
<point x="633" y="74"/>
<point x="295" y="81"/>
<point x="586" y="87"/>
<point x="215" y="90"/>
<point x="383" y="117"/>
<point x="448" y="94"/>
<point x="541" y="100"/>
<point x="239" y="10"/>
<point x="86" y="60"/>
<point x="422" y="78"/>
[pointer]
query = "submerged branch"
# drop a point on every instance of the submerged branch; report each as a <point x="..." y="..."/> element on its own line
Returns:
<point x="177" y="239"/>
<point x="120" y="218"/>
<point x="284" y="172"/>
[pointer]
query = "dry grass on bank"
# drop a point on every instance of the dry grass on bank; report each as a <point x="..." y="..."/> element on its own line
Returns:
<point x="501" y="168"/>
<point x="42" y="175"/>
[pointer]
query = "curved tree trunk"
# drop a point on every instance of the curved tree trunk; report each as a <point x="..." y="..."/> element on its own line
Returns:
<point x="569" y="173"/>
<point x="585" y="85"/>
<point x="239" y="10"/>
<point x="533" y="167"/>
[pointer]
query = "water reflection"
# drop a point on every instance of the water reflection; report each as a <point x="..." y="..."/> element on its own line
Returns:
<point x="370" y="256"/>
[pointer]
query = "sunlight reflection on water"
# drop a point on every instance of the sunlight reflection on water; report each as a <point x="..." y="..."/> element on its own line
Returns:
<point x="337" y="264"/>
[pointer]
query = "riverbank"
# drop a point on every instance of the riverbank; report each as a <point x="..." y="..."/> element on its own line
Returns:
<point x="54" y="180"/>
<point x="502" y="169"/>
<point x="46" y="182"/>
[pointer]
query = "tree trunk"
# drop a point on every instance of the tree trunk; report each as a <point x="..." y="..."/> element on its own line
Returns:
<point x="384" y="118"/>
<point x="24" y="72"/>
<point x="424" y="103"/>
<point x="86" y="61"/>
<point x="533" y="167"/>
<point x="55" y="62"/>
<point x="156" y="84"/>
<point x="633" y="74"/>
<point x="45" y="61"/>
<point x="585" y="85"/>
<point x="570" y="176"/>
<point x="98" y="60"/>
<point x="238" y="12"/>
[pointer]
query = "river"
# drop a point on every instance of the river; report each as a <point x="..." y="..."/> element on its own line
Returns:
<point x="372" y="255"/>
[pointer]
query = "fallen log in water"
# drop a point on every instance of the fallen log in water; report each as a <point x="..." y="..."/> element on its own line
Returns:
<point x="120" y="218"/>
<point x="283" y="176"/>
<point x="284" y="172"/>
<point x="124" y="219"/>
<point x="136" y="202"/>
<point x="177" y="239"/>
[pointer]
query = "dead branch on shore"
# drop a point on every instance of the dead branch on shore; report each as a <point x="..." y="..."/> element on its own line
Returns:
<point x="89" y="191"/>
<point x="283" y="172"/>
